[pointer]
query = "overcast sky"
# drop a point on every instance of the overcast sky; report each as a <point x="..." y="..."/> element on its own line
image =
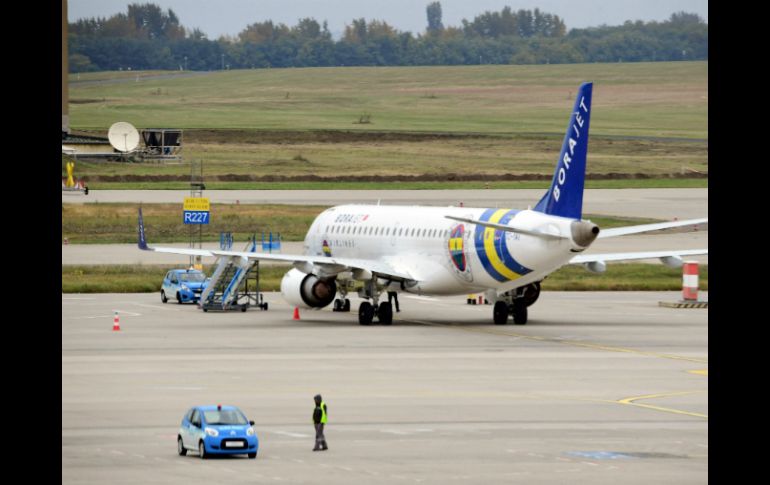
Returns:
<point x="229" y="17"/>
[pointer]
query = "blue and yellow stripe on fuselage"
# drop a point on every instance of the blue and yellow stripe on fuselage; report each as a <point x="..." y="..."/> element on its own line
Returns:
<point x="492" y="249"/>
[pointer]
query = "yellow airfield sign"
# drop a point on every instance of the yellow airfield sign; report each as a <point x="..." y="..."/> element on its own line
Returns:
<point x="196" y="204"/>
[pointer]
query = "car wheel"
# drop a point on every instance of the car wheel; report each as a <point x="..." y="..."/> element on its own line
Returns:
<point x="202" y="450"/>
<point x="163" y="296"/>
<point x="180" y="446"/>
<point x="178" y="298"/>
<point x="252" y="455"/>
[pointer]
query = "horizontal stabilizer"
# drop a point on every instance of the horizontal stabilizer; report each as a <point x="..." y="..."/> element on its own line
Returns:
<point x="622" y="231"/>
<point x="508" y="228"/>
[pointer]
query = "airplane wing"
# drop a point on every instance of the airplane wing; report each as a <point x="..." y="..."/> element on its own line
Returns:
<point x="601" y="258"/>
<point x="327" y="265"/>
<point x="622" y="231"/>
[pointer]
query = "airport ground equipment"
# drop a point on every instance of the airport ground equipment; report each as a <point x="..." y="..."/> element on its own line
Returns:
<point x="272" y="243"/>
<point x="234" y="285"/>
<point x="69" y="183"/>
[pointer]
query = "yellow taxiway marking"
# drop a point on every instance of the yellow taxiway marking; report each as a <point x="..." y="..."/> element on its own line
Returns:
<point x="573" y="343"/>
<point x="702" y="372"/>
<point x="630" y="401"/>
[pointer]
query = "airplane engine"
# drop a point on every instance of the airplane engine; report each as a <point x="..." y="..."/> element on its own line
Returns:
<point x="307" y="290"/>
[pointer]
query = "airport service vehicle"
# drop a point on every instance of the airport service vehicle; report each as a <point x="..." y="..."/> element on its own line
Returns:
<point x="502" y="253"/>
<point x="217" y="430"/>
<point x="183" y="284"/>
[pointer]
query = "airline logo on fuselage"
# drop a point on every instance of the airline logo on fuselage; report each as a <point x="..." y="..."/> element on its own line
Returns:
<point x="326" y="249"/>
<point x="561" y="175"/>
<point x="353" y="218"/>
<point x="456" y="250"/>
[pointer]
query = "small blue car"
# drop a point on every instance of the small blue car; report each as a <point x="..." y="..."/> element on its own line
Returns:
<point x="183" y="284"/>
<point x="217" y="430"/>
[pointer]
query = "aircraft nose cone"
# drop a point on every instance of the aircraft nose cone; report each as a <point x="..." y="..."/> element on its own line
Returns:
<point x="584" y="233"/>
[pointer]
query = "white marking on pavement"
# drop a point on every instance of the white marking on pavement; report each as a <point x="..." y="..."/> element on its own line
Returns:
<point x="158" y="307"/>
<point x="176" y="388"/>
<point x="293" y="435"/>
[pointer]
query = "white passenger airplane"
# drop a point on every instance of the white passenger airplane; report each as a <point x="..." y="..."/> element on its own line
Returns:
<point x="504" y="253"/>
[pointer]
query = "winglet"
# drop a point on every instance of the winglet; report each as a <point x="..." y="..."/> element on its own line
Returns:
<point x="142" y="240"/>
<point x="565" y="196"/>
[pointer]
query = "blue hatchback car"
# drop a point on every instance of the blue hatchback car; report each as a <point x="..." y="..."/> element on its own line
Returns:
<point x="217" y="430"/>
<point x="184" y="285"/>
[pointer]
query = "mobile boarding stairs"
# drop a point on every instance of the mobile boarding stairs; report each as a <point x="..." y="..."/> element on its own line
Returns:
<point x="234" y="284"/>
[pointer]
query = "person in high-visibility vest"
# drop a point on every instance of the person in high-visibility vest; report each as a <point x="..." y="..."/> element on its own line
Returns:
<point x="319" y="420"/>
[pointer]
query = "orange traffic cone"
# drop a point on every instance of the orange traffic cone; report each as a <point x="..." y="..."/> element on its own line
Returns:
<point x="296" y="313"/>
<point x="116" y="323"/>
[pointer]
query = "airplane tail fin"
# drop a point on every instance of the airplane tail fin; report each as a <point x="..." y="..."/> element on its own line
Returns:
<point x="565" y="196"/>
<point x="142" y="239"/>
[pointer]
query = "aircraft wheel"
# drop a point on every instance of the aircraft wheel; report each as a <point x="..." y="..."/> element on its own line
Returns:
<point x="337" y="305"/>
<point x="500" y="313"/>
<point x="385" y="313"/>
<point x="365" y="313"/>
<point x="519" y="312"/>
<point x="346" y="307"/>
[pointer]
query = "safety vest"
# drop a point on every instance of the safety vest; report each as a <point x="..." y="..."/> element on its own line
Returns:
<point x="323" y="412"/>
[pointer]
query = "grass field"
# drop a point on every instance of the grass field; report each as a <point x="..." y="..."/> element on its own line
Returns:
<point x="116" y="223"/>
<point x="226" y="162"/>
<point x="647" y="118"/>
<point x="637" y="99"/>
<point x="619" y="277"/>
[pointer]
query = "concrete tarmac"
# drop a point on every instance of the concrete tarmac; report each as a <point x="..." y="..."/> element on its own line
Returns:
<point x="655" y="203"/>
<point x="599" y="388"/>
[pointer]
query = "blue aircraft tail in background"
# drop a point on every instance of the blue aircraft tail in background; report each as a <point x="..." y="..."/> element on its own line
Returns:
<point x="565" y="196"/>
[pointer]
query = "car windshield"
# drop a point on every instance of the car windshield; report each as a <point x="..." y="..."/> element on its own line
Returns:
<point x="225" y="416"/>
<point x="192" y="277"/>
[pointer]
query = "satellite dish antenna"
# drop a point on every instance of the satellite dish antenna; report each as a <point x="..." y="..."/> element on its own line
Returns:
<point x="123" y="137"/>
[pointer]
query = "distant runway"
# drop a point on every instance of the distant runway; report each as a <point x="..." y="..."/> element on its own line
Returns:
<point x="654" y="203"/>
<point x="600" y="388"/>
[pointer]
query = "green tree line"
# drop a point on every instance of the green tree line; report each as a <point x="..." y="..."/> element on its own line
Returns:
<point x="146" y="37"/>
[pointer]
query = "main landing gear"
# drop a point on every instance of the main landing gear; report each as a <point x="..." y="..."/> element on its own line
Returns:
<point x="515" y="303"/>
<point x="367" y="311"/>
